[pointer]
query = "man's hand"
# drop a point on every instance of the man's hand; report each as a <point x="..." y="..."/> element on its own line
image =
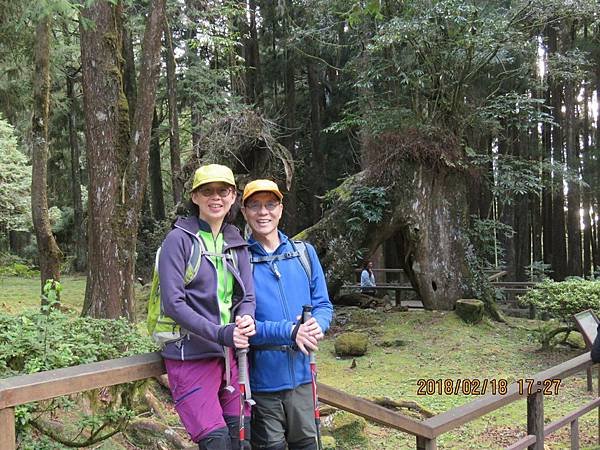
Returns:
<point x="309" y="333"/>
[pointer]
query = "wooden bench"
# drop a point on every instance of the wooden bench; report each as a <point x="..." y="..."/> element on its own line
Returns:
<point x="397" y="288"/>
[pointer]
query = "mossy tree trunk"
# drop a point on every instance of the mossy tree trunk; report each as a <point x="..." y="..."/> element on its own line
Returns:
<point x="50" y="255"/>
<point x="117" y="155"/>
<point x="421" y="203"/>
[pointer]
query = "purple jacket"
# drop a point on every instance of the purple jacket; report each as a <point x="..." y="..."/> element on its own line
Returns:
<point x="195" y="307"/>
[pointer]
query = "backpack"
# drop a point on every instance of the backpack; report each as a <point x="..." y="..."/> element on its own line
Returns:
<point x="161" y="327"/>
<point x="300" y="252"/>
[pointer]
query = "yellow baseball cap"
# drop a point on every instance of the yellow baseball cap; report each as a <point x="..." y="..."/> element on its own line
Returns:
<point x="261" y="186"/>
<point x="211" y="173"/>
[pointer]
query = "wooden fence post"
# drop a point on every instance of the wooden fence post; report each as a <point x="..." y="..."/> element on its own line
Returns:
<point x="535" y="419"/>
<point x="7" y="429"/>
<point x="426" y="444"/>
<point x="575" y="435"/>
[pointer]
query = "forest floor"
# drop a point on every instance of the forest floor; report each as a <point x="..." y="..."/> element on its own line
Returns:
<point x="405" y="347"/>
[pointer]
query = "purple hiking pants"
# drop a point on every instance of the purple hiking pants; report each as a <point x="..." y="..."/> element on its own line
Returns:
<point x="197" y="387"/>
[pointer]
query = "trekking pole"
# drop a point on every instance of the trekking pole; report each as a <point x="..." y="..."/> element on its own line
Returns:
<point x="242" y="357"/>
<point x="306" y="315"/>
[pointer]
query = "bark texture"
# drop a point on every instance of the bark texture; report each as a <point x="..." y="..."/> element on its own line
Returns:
<point x="423" y="209"/>
<point x="49" y="254"/>
<point x="118" y="159"/>
<point x="79" y="232"/>
<point x="176" y="180"/>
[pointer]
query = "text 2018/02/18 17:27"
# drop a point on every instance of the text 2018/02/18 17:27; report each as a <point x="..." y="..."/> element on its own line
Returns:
<point x="494" y="386"/>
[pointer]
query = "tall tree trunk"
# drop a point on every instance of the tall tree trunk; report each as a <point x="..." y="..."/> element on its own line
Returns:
<point x="596" y="179"/>
<point x="118" y="172"/>
<point x="129" y="81"/>
<point x="317" y="160"/>
<point x="49" y="254"/>
<point x="507" y="214"/>
<point x="574" y="261"/>
<point x="176" y="180"/>
<point x="79" y="227"/>
<point x="155" y="172"/>
<point x="254" y="84"/>
<point x="586" y="194"/>
<point x="547" y="214"/>
<point x="289" y="140"/>
<point x="535" y="203"/>
<point x="559" y="247"/>
<point x="522" y="241"/>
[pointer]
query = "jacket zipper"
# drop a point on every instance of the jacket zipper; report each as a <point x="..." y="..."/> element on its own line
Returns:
<point x="290" y="355"/>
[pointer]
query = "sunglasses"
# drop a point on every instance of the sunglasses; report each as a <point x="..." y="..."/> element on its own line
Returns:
<point x="209" y="192"/>
<point x="257" y="206"/>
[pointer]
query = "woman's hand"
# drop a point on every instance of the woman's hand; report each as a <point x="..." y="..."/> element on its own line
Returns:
<point x="240" y="340"/>
<point x="245" y="324"/>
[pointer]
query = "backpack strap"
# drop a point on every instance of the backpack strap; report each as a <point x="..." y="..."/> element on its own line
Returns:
<point x="300" y="247"/>
<point x="300" y="252"/>
<point x="193" y="265"/>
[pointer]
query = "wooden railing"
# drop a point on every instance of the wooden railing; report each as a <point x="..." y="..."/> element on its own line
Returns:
<point x="45" y="385"/>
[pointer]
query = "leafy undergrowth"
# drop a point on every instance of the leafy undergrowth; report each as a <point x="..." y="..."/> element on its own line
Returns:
<point x="404" y="347"/>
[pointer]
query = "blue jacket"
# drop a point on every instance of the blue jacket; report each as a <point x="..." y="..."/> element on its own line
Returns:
<point x="279" y="301"/>
<point x="195" y="307"/>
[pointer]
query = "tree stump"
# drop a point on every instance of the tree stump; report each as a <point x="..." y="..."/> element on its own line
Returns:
<point x="351" y="344"/>
<point x="470" y="310"/>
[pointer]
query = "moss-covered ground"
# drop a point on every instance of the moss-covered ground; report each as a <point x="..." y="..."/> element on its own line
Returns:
<point x="438" y="345"/>
<point x="405" y="347"/>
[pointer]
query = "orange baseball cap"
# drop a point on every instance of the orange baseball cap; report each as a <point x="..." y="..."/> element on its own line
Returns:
<point x="261" y="186"/>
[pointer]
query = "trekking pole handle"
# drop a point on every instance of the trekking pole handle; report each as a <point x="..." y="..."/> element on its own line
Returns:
<point x="306" y="315"/>
<point x="242" y="356"/>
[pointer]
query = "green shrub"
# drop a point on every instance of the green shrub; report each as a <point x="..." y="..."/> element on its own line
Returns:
<point x="35" y="342"/>
<point x="561" y="300"/>
<point x="19" y="269"/>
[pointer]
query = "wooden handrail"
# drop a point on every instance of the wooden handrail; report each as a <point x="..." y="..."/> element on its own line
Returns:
<point x="39" y="386"/>
<point x="372" y="411"/>
<point x="382" y="270"/>
<point x="465" y="413"/>
<point x="496" y="275"/>
<point x="54" y="383"/>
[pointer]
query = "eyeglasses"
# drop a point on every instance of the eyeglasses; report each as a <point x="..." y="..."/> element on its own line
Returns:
<point x="257" y="206"/>
<point x="209" y="192"/>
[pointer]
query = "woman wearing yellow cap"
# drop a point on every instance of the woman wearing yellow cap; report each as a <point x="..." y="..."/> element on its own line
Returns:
<point x="202" y="371"/>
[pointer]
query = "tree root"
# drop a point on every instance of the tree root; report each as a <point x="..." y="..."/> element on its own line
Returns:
<point x="151" y="431"/>
<point x="55" y="431"/>
<point x="398" y="405"/>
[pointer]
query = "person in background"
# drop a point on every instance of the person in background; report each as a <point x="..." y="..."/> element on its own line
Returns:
<point x="216" y="309"/>
<point x="367" y="279"/>
<point x="287" y="275"/>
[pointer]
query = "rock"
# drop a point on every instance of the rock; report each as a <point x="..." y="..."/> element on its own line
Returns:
<point x="328" y="442"/>
<point x="354" y="299"/>
<point x="470" y="310"/>
<point x="348" y="429"/>
<point x="351" y="344"/>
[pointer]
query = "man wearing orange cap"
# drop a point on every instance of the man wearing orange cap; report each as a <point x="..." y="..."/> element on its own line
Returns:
<point x="287" y="275"/>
